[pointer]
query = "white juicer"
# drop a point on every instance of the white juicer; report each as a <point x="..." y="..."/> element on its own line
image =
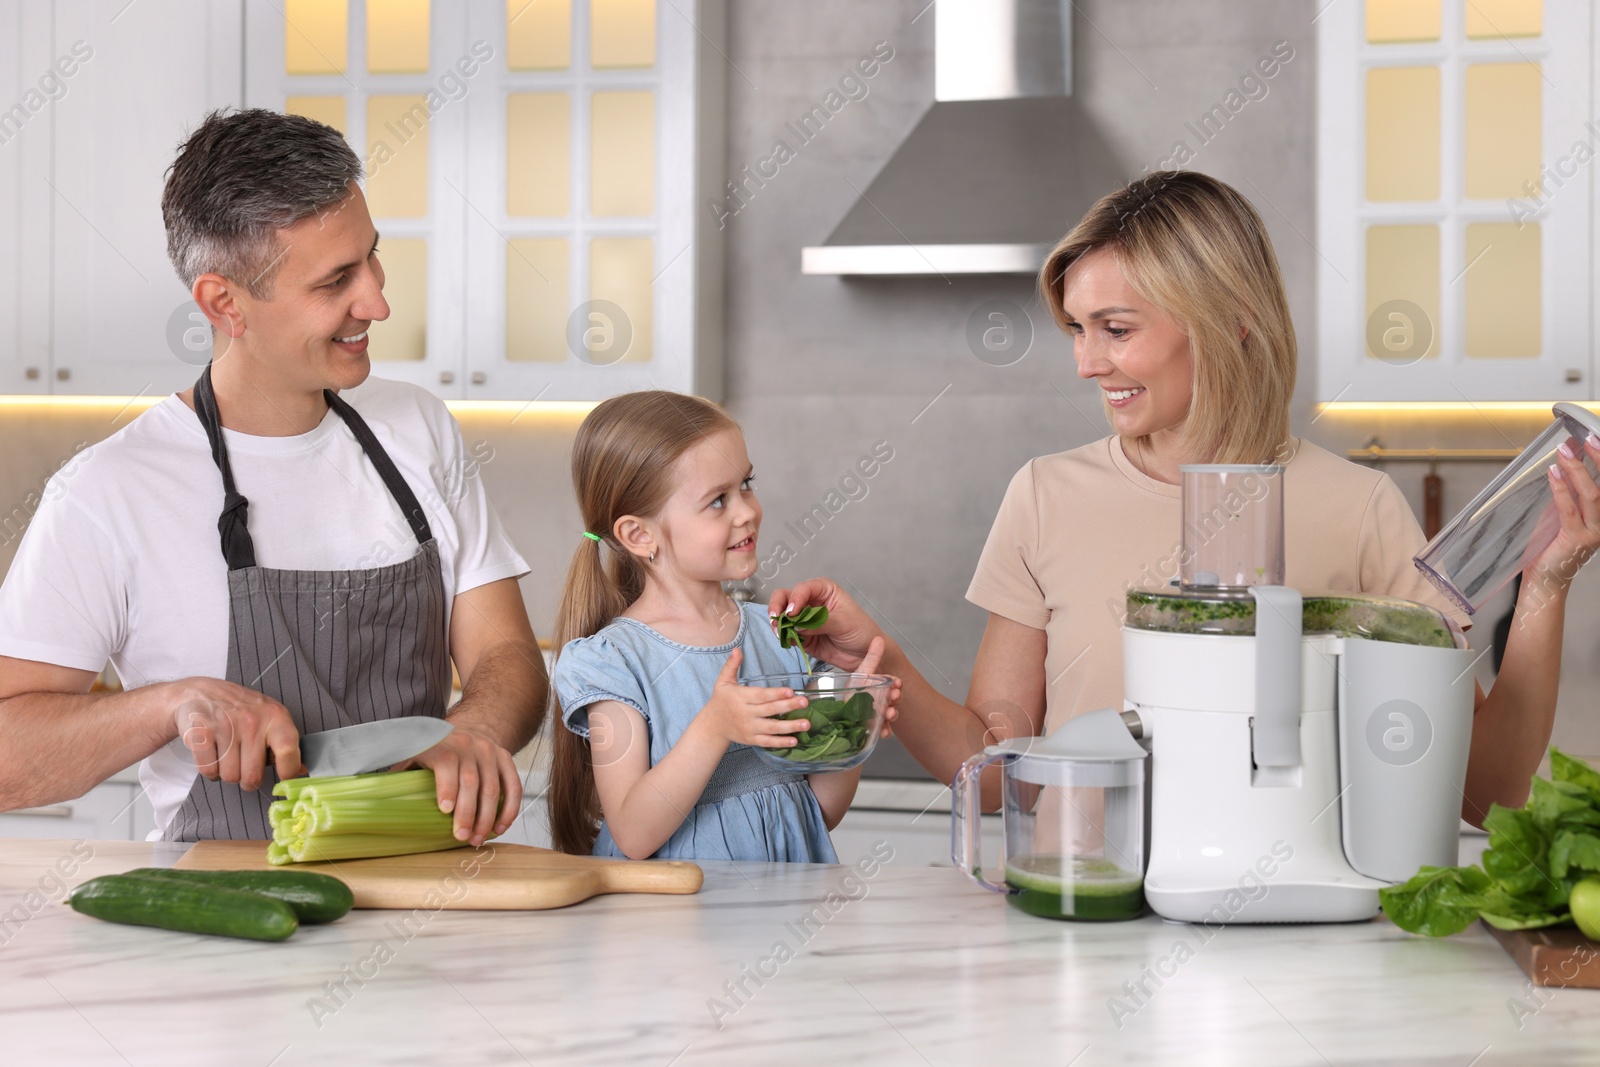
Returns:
<point x="1305" y="751"/>
<point x="1295" y="774"/>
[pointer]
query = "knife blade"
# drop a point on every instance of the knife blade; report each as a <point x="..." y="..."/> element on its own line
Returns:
<point x="370" y="746"/>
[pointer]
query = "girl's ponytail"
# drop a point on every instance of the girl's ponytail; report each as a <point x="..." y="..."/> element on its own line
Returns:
<point x="588" y="603"/>
<point x="622" y="461"/>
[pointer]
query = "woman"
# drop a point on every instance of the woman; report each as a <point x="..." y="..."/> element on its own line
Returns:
<point x="1171" y="292"/>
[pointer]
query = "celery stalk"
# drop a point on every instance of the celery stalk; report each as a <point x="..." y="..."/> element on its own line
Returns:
<point x="366" y="786"/>
<point x="357" y="846"/>
<point x="380" y="816"/>
<point x="383" y="814"/>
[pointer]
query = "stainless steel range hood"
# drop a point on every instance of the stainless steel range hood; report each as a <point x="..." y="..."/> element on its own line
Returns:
<point x="998" y="167"/>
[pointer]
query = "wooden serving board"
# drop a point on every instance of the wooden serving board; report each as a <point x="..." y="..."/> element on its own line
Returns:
<point x="494" y="877"/>
<point x="1555" y="956"/>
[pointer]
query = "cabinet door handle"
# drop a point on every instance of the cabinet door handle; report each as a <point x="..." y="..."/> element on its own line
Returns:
<point x="63" y="374"/>
<point x="52" y="811"/>
<point x="32" y="374"/>
<point x="479" y="377"/>
<point x="446" y="377"/>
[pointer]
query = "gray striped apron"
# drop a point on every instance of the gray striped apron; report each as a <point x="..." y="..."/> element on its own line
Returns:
<point x="334" y="647"/>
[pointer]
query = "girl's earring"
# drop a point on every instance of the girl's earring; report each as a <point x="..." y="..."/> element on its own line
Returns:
<point x="652" y="555"/>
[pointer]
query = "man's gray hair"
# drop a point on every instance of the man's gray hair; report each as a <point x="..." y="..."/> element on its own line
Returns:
<point x="239" y="179"/>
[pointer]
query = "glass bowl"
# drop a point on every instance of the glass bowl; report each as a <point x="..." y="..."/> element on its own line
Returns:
<point x="846" y="713"/>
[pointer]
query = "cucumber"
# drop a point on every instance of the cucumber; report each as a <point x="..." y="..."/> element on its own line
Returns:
<point x="315" y="898"/>
<point x="192" y="907"/>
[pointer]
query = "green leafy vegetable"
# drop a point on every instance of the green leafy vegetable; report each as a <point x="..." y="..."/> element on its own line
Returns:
<point x="1537" y="857"/>
<point x="1437" y="901"/>
<point x="1569" y="769"/>
<point x="1517" y="851"/>
<point x="789" y="627"/>
<point x="807" y="618"/>
<point x="839" y="729"/>
<point x="1526" y="921"/>
<point x="1571" y="849"/>
<point x="1377" y="618"/>
<point x="1561" y="802"/>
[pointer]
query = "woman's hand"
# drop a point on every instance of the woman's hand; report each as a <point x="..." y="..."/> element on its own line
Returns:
<point x="847" y="635"/>
<point x="869" y="665"/>
<point x="744" y="714"/>
<point x="1577" y="500"/>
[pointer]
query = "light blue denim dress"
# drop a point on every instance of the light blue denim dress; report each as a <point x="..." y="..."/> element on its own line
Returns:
<point x="749" y="810"/>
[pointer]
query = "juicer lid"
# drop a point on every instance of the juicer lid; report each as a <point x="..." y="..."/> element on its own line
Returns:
<point x="1094" y="737"/>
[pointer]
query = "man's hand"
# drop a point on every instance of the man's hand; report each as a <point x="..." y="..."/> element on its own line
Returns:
<point x="504" y="692"/>
<point x="229" y="730"/>
<point x="476" y="781"/>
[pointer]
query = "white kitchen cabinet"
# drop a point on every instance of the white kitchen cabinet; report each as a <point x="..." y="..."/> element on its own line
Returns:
<point x="105" y="813"/>
<point x="1455" y="220"/>
<point x="512" y="276"/>
<point x="913" y="817"/>
<point x="627" y="298"/>
<point x="146" y="74"/>
<point x="419" y="216"/>
<point x="670" y="314"/>
<point x="29" y="86"/>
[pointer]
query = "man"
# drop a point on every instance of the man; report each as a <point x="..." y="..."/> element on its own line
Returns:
<point x="290" y="546"/>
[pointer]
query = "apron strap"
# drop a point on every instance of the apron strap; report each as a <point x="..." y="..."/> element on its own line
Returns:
<point x="385" y="466"/>
<point x="234" y="523"/>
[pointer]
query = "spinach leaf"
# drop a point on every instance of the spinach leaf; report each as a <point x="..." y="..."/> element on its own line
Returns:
<point x="839" y="729"/>
<point x="1517" y="851"/>
<point x="1565" y="768"/>
<point x="1536" y="855"/>
<point x="1555" y="804"/>
<point x="807" y="618"/>
<point x="1437" y="901"/>
<point x="1531" y="921"/>
<point x="1574" y="849"/>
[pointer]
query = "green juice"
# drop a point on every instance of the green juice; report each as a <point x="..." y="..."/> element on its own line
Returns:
<point x="1097" y="890"/>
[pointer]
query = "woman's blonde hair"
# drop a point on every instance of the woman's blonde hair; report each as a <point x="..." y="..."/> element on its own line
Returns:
<point x="622" y="464"/>
<point x="1196" y="249"/>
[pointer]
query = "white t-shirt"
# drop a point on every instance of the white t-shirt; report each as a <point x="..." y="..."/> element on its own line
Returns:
<point x="123" y="562"/>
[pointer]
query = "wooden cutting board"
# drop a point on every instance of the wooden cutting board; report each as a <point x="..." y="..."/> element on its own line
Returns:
<point x="494" y="877"/>
<point x="1558" y="956"/>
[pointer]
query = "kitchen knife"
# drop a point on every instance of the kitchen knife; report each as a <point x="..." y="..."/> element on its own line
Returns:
<point x="370" y="746"/>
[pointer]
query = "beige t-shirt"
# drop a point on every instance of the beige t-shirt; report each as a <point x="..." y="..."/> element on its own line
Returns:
<point x="1078" y="529"/>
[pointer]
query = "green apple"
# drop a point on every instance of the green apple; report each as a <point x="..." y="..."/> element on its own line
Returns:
<point x="1585" y="904"/>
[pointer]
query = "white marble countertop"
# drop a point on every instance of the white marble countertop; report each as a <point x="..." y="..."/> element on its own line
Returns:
<point x="908" y="966"/>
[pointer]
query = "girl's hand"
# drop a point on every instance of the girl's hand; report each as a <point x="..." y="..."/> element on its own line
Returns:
<point x="1577" y="500"/>
<point x="743" y="714"/>
<point x="869" y="665"/>
<point x="847" y="635"/>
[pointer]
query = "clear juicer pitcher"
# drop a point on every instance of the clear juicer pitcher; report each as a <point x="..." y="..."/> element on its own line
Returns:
<point x="1511" y="522"/>
<point x="1075" y="820"/>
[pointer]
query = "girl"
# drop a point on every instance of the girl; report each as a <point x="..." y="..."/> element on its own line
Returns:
<point x="650" y="650"/>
